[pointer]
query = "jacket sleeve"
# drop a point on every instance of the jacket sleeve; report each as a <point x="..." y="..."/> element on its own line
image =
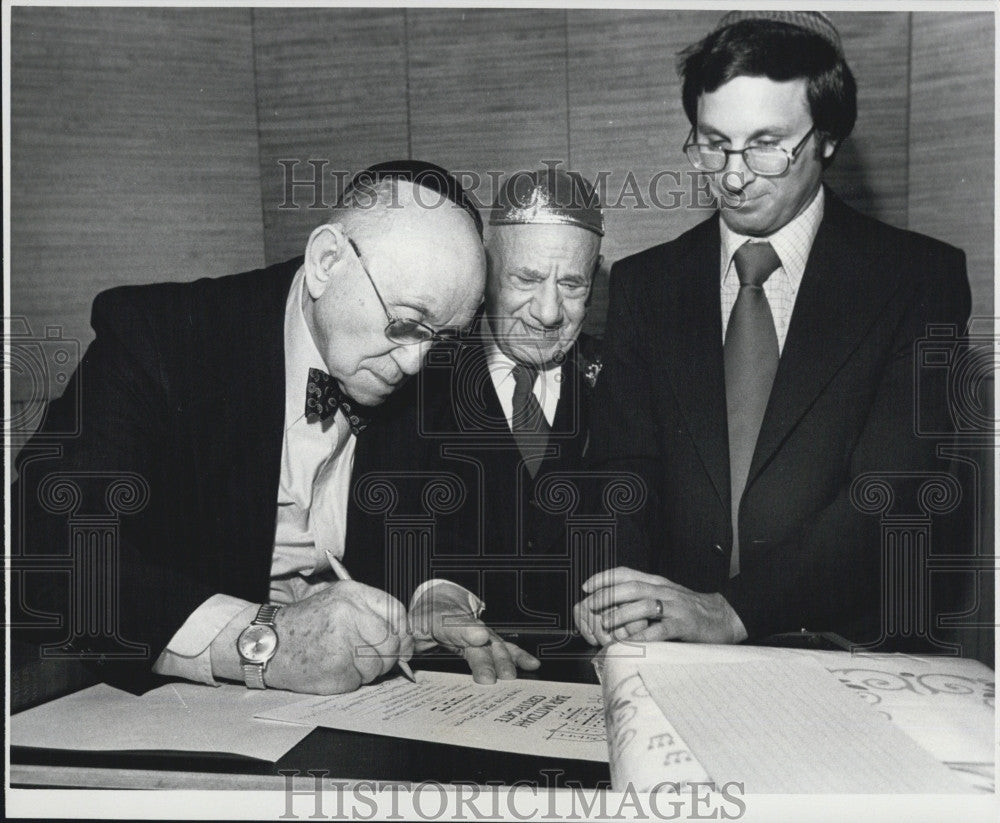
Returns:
<point x="623" y="425"/>
<point x="85" y="507"/>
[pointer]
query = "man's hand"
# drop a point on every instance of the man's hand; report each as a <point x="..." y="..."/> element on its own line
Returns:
<point x="329" y="643"/>
<point x="442" y="616"/>
<point x="622" y="604"/>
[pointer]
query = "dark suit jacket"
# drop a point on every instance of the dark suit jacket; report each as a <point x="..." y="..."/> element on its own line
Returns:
<point x="182" y="406"/>
<point x="463" y="506"/>
<point x="842" y="405"/>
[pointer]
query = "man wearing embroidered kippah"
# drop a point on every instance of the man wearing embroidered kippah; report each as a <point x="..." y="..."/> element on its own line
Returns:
<point x="505" y="417"/>
<point x="243" y="406"/>
<point x="761" y="363"/>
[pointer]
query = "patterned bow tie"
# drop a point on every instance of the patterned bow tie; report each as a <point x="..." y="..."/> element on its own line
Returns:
<point x="324" y="397"/>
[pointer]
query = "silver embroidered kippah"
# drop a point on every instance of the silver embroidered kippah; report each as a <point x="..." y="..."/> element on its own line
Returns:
<point x="551" y="196"/>
<point x="812" y="21"/>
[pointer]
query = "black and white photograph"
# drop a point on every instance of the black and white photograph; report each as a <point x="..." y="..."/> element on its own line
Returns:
<point x="515" y="412"/>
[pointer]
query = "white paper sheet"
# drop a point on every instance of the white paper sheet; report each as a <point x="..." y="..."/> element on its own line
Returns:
<point x="176" y="717"/>
<point x="782" y="723"/>
<point x="523" y="716"/>
<point x="645" y="750"/>
<point x="945" y="704"/>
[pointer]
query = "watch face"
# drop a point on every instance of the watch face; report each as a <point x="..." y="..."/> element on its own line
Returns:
<point x="257" y="644"/>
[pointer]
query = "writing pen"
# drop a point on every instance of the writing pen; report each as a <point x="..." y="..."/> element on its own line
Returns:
<point x="342" y="574"/>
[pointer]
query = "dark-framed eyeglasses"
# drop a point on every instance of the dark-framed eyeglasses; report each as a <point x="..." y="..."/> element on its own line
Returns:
<point x="401" y="330"/>
<point x="767" y="161"/>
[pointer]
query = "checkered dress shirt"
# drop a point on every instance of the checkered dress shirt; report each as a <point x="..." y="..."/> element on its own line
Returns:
<point x="792" y="242"/>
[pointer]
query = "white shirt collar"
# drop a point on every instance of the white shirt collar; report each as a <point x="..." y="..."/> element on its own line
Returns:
<point x="792" y="242"/>
<point x="547" y="384"/>
<point x="301" y="353"/>
<point x="502" y="365"/>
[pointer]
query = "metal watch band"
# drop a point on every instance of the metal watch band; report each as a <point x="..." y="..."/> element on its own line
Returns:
<point x="253" y="673"/>
<point x="265" y="615"/>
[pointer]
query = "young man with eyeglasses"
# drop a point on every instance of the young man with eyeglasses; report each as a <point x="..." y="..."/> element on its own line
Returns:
<point x="762" y="362"/>
<point x="241" y="405"/>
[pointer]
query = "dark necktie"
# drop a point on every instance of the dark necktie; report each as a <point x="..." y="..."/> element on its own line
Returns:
<point x="528" y="424"/>
<point x="324" y="397"/>
<point x="751" y="360"/>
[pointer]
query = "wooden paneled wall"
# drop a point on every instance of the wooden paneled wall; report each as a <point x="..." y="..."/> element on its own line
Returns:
<point x="870" y="169"/>
<point x="133" y="159"/>
<point x="495" y="91"/>
<point x="331" y="89"/>
<point x="626" y="123"/>
<point x="950" y="185"/>
<point x="163" y="143"/>
<point x="951" y="123"/>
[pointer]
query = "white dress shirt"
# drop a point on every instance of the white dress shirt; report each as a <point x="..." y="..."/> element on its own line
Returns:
<point x="547" y="384"/>
<point x="313" y="488"/>
<point x="792" y="242"/>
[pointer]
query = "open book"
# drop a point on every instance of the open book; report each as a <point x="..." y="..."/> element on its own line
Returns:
<point x="794" y="721"/>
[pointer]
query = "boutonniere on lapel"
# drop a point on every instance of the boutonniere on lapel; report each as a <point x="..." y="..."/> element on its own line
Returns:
<point x="590" y="368"/>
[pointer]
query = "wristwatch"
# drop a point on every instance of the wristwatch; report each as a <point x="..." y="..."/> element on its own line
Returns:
<point x="257" y="644"/>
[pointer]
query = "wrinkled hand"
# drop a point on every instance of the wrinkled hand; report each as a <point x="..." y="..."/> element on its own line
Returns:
<point x="442" y="616"/>
<point x="621" y="604"/>
<point x="338" y="639"/>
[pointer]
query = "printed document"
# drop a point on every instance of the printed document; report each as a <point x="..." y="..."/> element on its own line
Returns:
<point x="523" y="716"/>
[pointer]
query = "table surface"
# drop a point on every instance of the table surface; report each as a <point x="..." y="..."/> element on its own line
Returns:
<point x="351" y="756"/>
<point x="339" y="755"/>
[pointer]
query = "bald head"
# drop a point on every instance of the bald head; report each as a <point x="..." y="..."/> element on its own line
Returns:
<point x="424" y="257"/>
<point x="369" y="210"/>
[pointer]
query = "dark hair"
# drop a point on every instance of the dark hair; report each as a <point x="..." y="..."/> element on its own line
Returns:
<point x="780" y="52"/>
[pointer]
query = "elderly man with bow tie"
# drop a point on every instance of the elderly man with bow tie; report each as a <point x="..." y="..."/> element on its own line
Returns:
<point x="240" y="404"/>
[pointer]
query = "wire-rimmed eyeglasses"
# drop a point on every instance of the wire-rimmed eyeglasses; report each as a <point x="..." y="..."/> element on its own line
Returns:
<point x="767" y="161"/>
<point x="402" y="330"/>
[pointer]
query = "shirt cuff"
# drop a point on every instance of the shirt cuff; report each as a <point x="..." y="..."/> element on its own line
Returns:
<point x="476" y="606"/>
<point x="188" y="654"/>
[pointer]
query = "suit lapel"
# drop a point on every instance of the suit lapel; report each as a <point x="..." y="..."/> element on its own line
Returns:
<point x="693" y="351"/>
<point x="568" y="411"/>
<point x="844" y="290"/>
<point x="568" y="434"/>
<point x="478" y="405"/>
<point x="269" y="429"/>
<point x="235" y="407"/>
<point x="567" y="424"/>
<point x="260" y="425"/>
